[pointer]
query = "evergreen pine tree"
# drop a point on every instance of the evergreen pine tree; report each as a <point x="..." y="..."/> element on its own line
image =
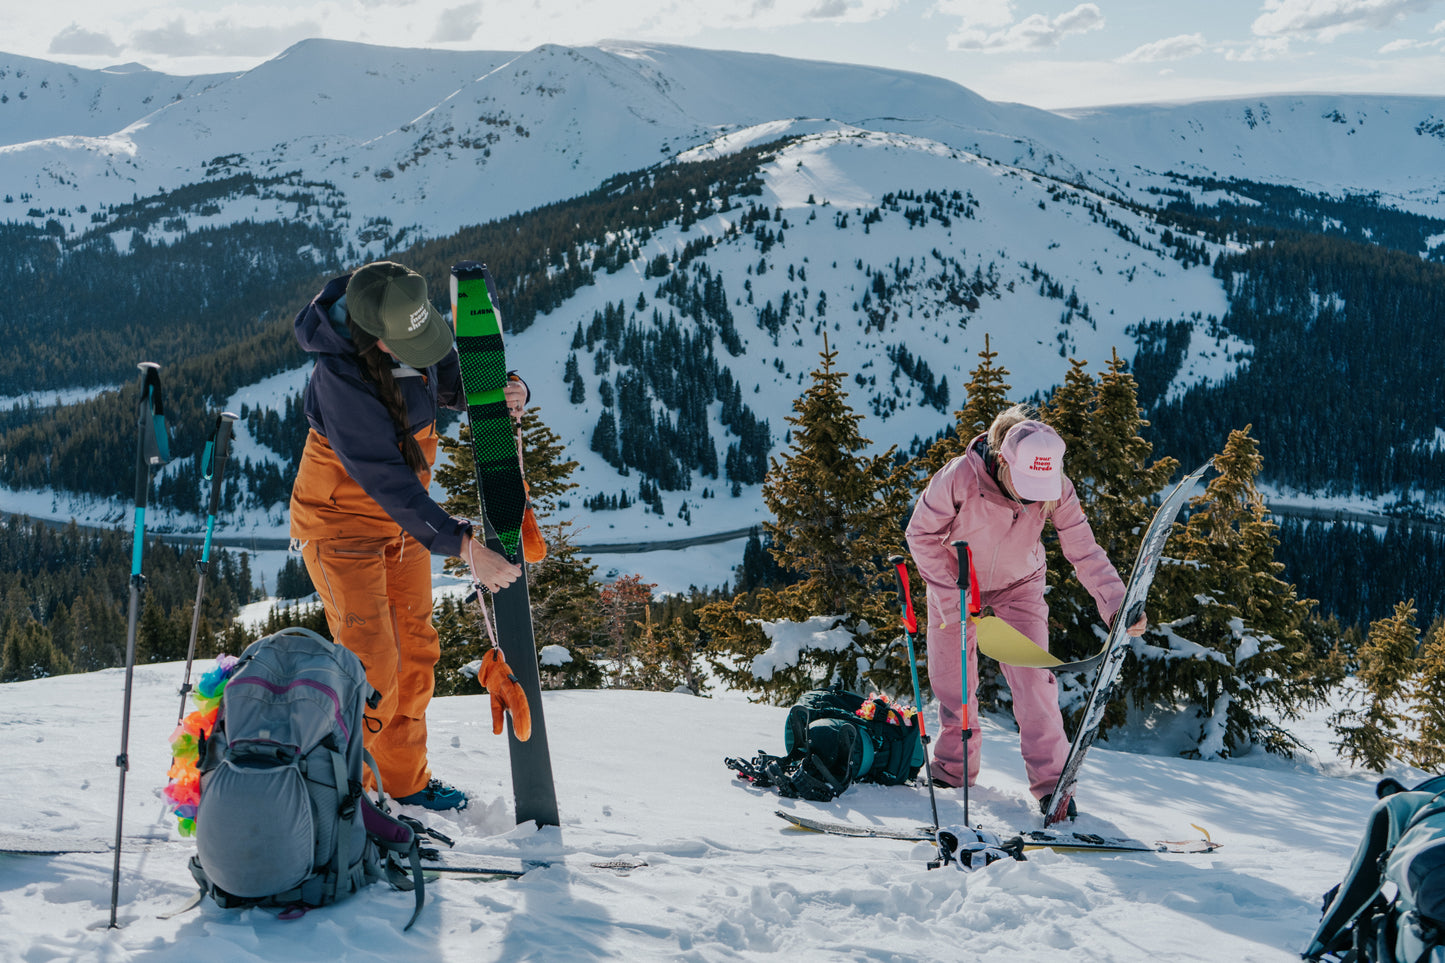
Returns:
<point x="563" y="595"/>
<point x="1068" y="411"/>
<point x="987" y="394"/>
<point x="1107" y="460"/>
<point x="159" y="636"/>
<point x="1428" y="701"/>
<point x="29" y="653"/>
<point x="1370" y="734"/>
<point x="1228" y="641"/>
<point x="293" y="581"/>
<point x="565" y="609"/>
<point x="836" y="515"/>
<point x="666" y="658"/>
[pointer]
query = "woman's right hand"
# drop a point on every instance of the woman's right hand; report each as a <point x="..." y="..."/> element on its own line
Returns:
<point x="488" y="568"/>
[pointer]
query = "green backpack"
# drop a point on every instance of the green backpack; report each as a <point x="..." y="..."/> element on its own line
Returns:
<point x="833" y="738"/>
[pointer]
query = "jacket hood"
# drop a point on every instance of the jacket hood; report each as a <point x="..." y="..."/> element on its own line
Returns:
<point x="314" y="329"/>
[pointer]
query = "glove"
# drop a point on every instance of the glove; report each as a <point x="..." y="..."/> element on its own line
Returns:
<point x="534" y="547"/>
<point x="497" y="678"/>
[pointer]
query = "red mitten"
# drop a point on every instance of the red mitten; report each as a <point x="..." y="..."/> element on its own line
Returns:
<point x="497" y="678"/>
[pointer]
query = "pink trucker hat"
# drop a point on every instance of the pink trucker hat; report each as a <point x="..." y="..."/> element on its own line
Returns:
<point x="1035" y="456"/>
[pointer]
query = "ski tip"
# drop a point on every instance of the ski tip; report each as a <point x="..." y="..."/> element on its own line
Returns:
<point x="468" y="269"/>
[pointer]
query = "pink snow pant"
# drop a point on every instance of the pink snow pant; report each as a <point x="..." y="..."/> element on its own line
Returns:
<point x="1035" y="691"/>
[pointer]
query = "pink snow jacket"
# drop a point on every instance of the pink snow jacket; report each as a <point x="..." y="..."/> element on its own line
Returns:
<point x="963" y="503"/>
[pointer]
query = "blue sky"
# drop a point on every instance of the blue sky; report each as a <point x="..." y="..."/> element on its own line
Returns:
<point x="1040" y="52"/>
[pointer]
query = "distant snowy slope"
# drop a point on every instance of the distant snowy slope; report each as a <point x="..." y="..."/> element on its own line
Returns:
<point x="321" y="96"/>
<point x="40" y="99"/>
<point x="1320" y="143"/>
<point x="434" y="140"/>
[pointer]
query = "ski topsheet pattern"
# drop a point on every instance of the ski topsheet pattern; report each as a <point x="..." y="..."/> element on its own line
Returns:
<point x="1135" y="591"/>
<point x="504" y="501"/>
<point x="484" y="376"/>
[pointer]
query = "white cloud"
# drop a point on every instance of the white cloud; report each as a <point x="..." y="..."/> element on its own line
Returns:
<point x="1271" y="48"/>
<point x="75" y="39"/>
<point x="177" y="38"/>
<point x="1183" y="46"/>
<point x="1400" y="46"/>
<point x="1034" y="32"/>
<point x="458" y="23"/>
<point x="977" y="13"/>
<point x="1327" y="19"/>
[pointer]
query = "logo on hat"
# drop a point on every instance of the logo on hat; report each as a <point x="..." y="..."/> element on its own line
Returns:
<point x="417" y="319"/>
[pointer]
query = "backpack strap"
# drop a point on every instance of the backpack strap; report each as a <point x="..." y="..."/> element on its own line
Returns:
<point x="395" y="838"/>
<point x="370" y="763"/>
<point x="347" y="794"/>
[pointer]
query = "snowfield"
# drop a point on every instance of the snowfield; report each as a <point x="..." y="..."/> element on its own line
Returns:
<point x="641" y="775"/>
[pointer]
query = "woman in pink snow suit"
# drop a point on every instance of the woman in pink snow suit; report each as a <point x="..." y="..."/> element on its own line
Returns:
<point x="997" y="496"/>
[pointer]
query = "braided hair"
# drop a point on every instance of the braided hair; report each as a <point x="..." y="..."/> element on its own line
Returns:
<point x="376" y="367"/>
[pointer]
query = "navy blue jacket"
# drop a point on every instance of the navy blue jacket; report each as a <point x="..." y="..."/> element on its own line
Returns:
<point x="345" y="409"/>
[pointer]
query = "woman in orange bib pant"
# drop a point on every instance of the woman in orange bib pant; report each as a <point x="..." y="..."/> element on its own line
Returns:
<point x="360" y="511"/>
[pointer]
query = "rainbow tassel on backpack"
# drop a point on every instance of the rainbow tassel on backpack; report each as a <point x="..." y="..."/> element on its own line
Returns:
<point x="183" y="791"/>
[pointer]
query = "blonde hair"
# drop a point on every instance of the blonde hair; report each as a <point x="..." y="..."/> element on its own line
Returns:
<point x="1006" y="419"/>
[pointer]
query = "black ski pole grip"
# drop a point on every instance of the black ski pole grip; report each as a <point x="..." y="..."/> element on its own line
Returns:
<point x="151" y="447"/>
<point x="962" y="549"/>
<point x="220" y="450"/>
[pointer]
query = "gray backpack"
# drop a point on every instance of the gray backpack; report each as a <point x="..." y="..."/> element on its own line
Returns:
<point x="283" y="819"/>
<point x="1390" y="908"/>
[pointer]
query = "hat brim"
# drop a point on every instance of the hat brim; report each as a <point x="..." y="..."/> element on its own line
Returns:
<point x="430" y="344"/>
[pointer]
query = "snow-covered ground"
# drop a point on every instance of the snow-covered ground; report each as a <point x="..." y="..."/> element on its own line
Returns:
<point x="641" y="775"/>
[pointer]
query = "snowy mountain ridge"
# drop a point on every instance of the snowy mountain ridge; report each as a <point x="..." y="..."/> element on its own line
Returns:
<point x="439" y="139"/>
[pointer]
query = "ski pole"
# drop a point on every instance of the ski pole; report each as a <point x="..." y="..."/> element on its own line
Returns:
<point x="964" y="581"/>
<point x="213" y="469"/>
<point x="151" y="449"/>
<point x="910" y="628"/>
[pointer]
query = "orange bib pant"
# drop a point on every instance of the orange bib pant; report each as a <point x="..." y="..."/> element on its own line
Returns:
<point x="377" y="596"/>
<point x="374" y="581"/>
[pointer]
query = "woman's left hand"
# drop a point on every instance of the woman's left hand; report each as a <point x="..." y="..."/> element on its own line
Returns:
<point x="1137" y="629"/>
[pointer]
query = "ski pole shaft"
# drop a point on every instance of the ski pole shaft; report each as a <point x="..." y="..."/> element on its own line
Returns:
<point x="151" y="449"/>
<point x="964" y="579"/>
<point x="213" y="469"/>
<point x="910" y="628"/>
